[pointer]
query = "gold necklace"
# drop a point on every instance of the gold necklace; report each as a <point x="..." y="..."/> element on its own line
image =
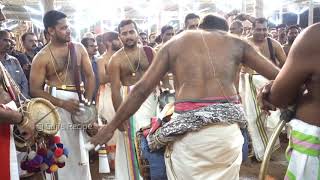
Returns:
<point x="53" y="60"/>
<point x="131" y="66"/>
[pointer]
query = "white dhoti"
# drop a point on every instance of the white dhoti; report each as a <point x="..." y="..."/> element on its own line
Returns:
<point x="77" y="164"/>
<point x="104" y="103"/>
<point x="213" y="153"/>
<point x="105" y="106"/>
<point x="126" y="159"/>
<point x="303" y="152"/>
<point x="9" y="165"/>
<point x="106" y="111"/>
<point x="260" y="126"/>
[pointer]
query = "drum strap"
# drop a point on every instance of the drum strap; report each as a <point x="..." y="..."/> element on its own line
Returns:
<point x="271" y="51"/>
<point x="149" y="53"/>
<point x="76" y="69"/>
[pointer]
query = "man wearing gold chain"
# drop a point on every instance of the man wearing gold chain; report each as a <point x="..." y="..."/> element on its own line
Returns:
<point x="53" y="66"/>
<point x="126" y="68"/>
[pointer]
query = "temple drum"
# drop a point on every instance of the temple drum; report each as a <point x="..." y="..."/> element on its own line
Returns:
<point x="45" y="116"/>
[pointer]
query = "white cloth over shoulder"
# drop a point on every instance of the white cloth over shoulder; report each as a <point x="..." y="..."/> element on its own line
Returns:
<point x="260" y="125"/>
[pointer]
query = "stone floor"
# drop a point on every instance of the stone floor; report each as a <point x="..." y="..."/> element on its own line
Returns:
<point x="277" y="167"/>
<point x="249" y="170"/>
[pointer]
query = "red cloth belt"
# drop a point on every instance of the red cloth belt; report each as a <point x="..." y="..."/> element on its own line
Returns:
<point x="189" y="105"/>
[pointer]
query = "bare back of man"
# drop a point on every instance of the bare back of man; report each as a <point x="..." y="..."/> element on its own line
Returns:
<point x="301" y="69"/>
<point x="103" y="62"/>
<point x="308" y="105"/>
<point x="206" y="69"/>
<point x="204" y="64"/>
<point x="113" y="44"/>
<point x="216" y="67"/>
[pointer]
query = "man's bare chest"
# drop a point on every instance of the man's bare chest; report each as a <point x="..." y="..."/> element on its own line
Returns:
<point x="58" y="63"/>
<point x="135" y="64"/>
<point x="61" y="63"/>
<point x="264" y="49"/>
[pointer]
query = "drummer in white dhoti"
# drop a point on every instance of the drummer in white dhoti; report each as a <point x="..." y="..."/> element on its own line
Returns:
<point x="206" y="126"/>
<point x="58" y="66"/>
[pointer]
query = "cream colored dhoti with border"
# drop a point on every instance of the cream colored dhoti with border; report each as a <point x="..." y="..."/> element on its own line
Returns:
<point x="213" y="153"/>
<point x="260" y="126"/>
<point x="105" y="106"/>
<point x="126" y="159"/>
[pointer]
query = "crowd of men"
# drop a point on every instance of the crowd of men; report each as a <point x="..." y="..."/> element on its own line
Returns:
<point x="214" y="65"/>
